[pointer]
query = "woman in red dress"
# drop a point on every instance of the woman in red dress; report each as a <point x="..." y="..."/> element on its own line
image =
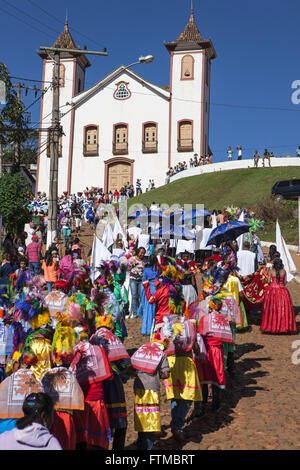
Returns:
<point x="278" y="312"/>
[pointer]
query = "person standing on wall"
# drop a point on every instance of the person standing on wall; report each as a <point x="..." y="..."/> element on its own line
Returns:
<point x="240" y="152"/>
<point x="229" y="153"/>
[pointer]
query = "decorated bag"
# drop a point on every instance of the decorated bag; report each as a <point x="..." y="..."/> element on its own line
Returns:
<point x="147" y="358"/>
<point x="90" y="363"/>
<point x="216" y="325"/>
<point x="116" y="349"/>
<point x="13" y="391"/>
<point x="62" y="386"/>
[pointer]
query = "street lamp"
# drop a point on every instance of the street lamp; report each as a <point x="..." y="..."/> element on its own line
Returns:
<point x="143" y="59"/>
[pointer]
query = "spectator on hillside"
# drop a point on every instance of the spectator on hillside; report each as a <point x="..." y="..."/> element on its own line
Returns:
<point x="266" y="156"/>
<point x="229" y="153"/>
<point x="256" y="158"/>
<point x="240" y="154"/>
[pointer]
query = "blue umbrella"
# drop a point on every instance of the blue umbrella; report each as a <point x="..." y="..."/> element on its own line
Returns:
<point x="189" y="215"/>
<point x="148" y="215"/>
<point x="173" y="232"/>
<point x="228" y="231"/>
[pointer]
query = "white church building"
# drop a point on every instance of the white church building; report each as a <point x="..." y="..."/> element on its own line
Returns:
<point x="124" y="127"/>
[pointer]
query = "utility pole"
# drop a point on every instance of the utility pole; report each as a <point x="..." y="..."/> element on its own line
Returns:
<point x="17" y="143"/>
<point x="55" y="133"/>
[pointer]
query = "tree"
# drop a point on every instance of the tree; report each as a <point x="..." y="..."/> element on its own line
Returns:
<point x="14" y="191"/>
<point x="28" y="150"/>
<point x="12" y="116"/>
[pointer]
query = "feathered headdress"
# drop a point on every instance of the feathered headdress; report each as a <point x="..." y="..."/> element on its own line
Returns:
<point x="162" y="341"/>
<point x="63" y="343"/>
<point x="104" y="320"/>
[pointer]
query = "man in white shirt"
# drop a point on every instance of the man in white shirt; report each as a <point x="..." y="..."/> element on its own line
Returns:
<point x="246" y="260"/>
<point x="203" y="251"/>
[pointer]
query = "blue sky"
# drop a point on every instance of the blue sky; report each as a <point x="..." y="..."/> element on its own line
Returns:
<point x="257" y="45"/>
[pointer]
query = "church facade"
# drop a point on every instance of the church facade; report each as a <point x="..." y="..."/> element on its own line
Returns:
<point x="124" y="127"/>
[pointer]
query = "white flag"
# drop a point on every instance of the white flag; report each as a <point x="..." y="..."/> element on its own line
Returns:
<point x="99" y="254"/>
<point x="214" y="220"/>
<point x="285" y="255"/>
<point x="108" y="237"/>
<point x="119" y="231"/>
<point x="240" y="239"/>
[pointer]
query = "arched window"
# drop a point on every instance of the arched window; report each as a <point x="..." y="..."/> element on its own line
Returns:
<point x="120" y="139"/>
<point x="90" y="141"/>
<point x="185" y="136"/>
<point x="187" y="68"/>
<point x="149" y="137"/>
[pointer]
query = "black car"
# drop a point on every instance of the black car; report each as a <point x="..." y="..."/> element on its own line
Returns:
<point x="287" y="189"/>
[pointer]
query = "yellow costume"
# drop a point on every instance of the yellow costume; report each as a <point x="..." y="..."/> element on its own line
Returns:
<point x="42" y="349"/>
<point x="146" y="411"/>
<point x="183" y="382"/>
<point x="232" y="285"/>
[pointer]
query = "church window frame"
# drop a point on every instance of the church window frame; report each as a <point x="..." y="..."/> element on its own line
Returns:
<point x="150" y="137"/>
<point x="120" y="138"/>
<point x="91" y="140"/>
<point x="122" y="92"/>
<point x="187" y="64"/>
<point x="185" y="144"/>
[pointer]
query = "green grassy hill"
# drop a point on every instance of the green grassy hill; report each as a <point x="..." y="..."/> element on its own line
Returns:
<point x="246" y="188"/>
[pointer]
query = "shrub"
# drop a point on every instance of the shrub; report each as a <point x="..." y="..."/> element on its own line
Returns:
<point x="270" y="210"/>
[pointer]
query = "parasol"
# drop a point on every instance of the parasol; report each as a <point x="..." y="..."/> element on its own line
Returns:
<point x="228" y="231"/>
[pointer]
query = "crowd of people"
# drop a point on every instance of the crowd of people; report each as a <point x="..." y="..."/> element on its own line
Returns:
<point x="193" y="162"/>
<point x="64" y="325"/>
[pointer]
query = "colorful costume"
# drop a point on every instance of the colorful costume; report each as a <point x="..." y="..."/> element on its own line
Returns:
<point x="150" y="363"/>
<point x="91" y="367"/>
<point x="114" y="395"/>
<point x="278" y="312"/>
<point x="183" y="386"/>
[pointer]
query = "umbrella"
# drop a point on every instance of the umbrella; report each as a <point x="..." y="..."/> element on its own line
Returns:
<point x="173" y="232"/>
<point x="147" y="215"/>
<point x="189" y="215"/>
<point x="227" y="231"/>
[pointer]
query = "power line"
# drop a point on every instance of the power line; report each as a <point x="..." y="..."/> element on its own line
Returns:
<point x="30" y="79"/>
<point x="25" y="22"/>
<point x="42" y="94"/>
<point x="29" y="16"/>
<point x="61" y="22"/>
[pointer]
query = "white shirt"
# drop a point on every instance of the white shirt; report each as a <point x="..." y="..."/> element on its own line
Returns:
<point x="205" y="236"/>
<point x="143" y="242"/>
<point x="135" y="231"/>
<point x="246" y="262"/>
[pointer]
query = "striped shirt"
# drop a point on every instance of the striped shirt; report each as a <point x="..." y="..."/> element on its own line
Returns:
<point x="33" y="251"/>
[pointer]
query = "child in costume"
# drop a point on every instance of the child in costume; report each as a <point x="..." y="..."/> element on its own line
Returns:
<point x="151" y="365"/>
<point x="114" y="396"/>
<point x="182" y="386"/>
<point x="215" y="330"/>
<point x="60" y="382"/>
<point x="91" y="366"/>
